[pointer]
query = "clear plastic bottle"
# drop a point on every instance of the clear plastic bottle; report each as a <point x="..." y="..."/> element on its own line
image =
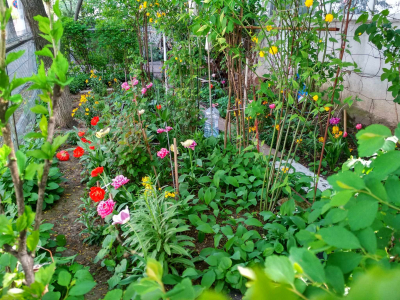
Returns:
<point x="211" y="113"/>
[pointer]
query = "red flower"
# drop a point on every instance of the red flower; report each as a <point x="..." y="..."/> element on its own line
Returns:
<point x="97" y="171"/>
<point x="211" y="85"/>
<point x="63" y="155"/>
<point x="158" y="106"/>
<point x="84" y="140"/>
<point x="91" y="147"/>
<point x="94" y="121"/>
<point x="97" y="193"/>
<point x="81" y="133"/>
<point x="89" y="142"/>
<point x="78" y="152"/>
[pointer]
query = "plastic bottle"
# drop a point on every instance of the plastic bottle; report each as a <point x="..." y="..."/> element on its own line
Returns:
<point x="211" y="113"/>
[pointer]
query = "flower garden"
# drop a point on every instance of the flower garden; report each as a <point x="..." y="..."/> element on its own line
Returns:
<point x="187" y="185"/>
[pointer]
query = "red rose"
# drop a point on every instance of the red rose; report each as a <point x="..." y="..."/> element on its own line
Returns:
<point x="97" y="171"/>
<point x="94" y="121"/>
<point x="63" y="155"/>
<point x="96" y="193"/>
<point x="81" y="133"/>
<point x="84" y="140"/>
<point x="78" y="152"/>
<point x="158" y="106"/>
<point x="91" y="147"/>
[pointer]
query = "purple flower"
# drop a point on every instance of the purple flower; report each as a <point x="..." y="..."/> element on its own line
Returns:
<point x="223" y="82"/>
<point x="168" y="129"/>
<point x="122" y="217"/>
<point x="119" y="181"/>
<point x="334" y="121"/>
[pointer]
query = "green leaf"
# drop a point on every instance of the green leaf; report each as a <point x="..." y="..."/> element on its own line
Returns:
<point x="335" y="278"/>
<point x="346" y="261"/>
<point x="11" y="110"/>
<point x="339" y="237"/>
<point x="232" y="181"/>
<point x="346" y="180"/>
<point x="39" y="109"/>
<point x="368" y="240"/>
<point x="363" y="213"/>
<point x="82" y="288"/>
<point x="113" y="295"/>
<point x="64" y="278"/>
<point x="45" y="52"/>
<point x="31" y="169"/>
<point x="58" y="141"/>
<point x="253" y="222"/>
<point x="51" y="296"/>
<point x="13" y="56"/>
<point x="45" y="274"/>
<point x="204" y="179"/>
<point x="208" y="279"/>
<point x="22" y="222"/>
<point x="371" y="139"/>
<point x="21" y="161"/>
<point x="43" y="126"/>
<point x="279" y="269"/>
<point x="57" y="11"/>
<point x="209" y="195"/>
<point x="32" y="240"/>
<point x="205" y="228"/>
<point x="154" y="270"/>
<point x="341" y="198"/>
<point x="310" y="264"/>
<point x="4" y="152"/>
<point x="386" y="164"/>
<point x="37" y="154"/>
<point x="392" y="187"/>
<point x="225" y="263"/>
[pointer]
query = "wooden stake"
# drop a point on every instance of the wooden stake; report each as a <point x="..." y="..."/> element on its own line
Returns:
<point x="345" y="120"/>
<point x="296" y="28"/>
<point x="176" y="167"/>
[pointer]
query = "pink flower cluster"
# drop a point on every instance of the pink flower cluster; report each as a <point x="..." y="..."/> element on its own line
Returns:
<point x="162" y="153"/>
<point x="149" y="85"/>
<point x="105" y="208"/>
<point x="135" y="81"/>
<point x="125" y="86"/>
<point x="167" y="129"/>
<point x="119" y="181"/>
<point x="144" y="90"/>
<point x="334" y="121"/>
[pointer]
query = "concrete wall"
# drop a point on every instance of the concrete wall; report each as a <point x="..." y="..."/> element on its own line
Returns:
<point x="377" y="104"/>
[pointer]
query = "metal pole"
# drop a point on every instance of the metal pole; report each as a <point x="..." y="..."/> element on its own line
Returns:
<point x="165" y="59"/>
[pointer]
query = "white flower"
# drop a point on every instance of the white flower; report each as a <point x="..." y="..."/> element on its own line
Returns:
<point x="187" y="143"/>
<point x="141" y="112"/>
<point x="172" y="148"/>
<point x="102" y="132"/>
<point x="122" y="217"/>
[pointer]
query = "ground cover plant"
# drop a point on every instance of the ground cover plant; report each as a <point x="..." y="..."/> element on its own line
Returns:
<point x="173" y="212"/>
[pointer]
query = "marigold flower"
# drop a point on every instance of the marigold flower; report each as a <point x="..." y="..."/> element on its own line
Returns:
<point x="63" y="155"/>
<point x="151" y="20"/>
<point x="321" y="139"/>
<point x="329" y="18"/>
<point x="97" y="171"/>
<point x="273" y="50"/>
<point x="335" y="129"/>
<point x="97" y="193"/>
<point x="86" y="81"/>
<point x="277" y="127"/>
<point x="94" y="121"/>
<point x="308" y="3"/>
<point x="78" y="152"/>
<point x="326" y="108"/>
<point x="298" y="141"/>
<point x="105" y="208"/>
<point x="285" y="170"/>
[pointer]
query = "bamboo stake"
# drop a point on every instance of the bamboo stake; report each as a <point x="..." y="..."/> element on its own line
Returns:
<point x="176" y="167"/>
<point x="345" y="120"/>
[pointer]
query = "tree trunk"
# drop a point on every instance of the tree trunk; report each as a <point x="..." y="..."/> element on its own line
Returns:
<point x="33" y="8"/>
<point x="78" y="9"/>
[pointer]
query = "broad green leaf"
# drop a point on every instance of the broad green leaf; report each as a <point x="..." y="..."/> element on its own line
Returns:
<point x="386" y="164"/>
<point x="13" y="56"/>
<point x="154" y="270"/>
<point x="367" y="239"/>
<point x="208" y="279"/>
<point x="39" y="109"/>
<point x="280" y="269"/>
<point x="346" y="261"/>
<point x="335" y="278"/>
<point x="51" y="296"/>
<point x="32" y="240"/>
<point x="43" y="126"/>
<point x="64" y="278"/>
<point x="82" y="288"/>
<point x="371" y="139"/>
<point x="339" y="237"/>
<point x="392" y="187"/>
<point x="308" y="262"/>
<point x="45" y="274"/>
<point x="253" y="222"/>
<point x="205" y="227"/>
<point x="21" y="161"/>
<point x="363" y="213"/>
<point x="232" y="181"/>
<point x="113" y="295"/>
<point x="346" y="180"/>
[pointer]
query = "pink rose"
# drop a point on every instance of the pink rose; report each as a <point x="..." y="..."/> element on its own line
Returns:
<point x="149" y="85"/>
<point x="359" y="126"/>
<point x="105" y="208"/>
<point x="272" y="106"/>
<point x="144" y="90"/>
<point x="160" y="130"/>
<point x="135" y="82"/>
<point x="162" y="153"/>
<point x="119" y="181"/>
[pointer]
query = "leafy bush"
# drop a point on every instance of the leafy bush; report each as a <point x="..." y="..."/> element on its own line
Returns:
<point x="78" y="83"/>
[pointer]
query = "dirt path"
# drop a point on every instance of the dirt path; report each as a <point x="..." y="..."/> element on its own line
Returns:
<point x="63" y="215"/>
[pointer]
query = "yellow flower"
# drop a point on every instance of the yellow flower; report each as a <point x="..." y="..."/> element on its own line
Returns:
<point x="321" y="139"/>
<point x="80" y="104"/>
<point x="315" y="98"/>
<point x="308" y="3"/>
<point x="326" y="108"/>
<point x="359" y="33"/>
<point x="340" y="132"/>
<point x="187" y="143"/>
<point x="102" y="132"/>
<point x="172" y="148"/>
<point x="255" y="39"/>
<point x="156" y="21"/>
<point x="285" y="170"/>
<point x="115" y="79"/>
<point x="350" y="149"/>
<point x="87" y="109"/>
<point x="158" y="14"/>
<point x="163" y="14"/>
<point x="180" y="60"/>
<point x="72" y="114"/>
<point x="335" y="129"/>
<point x="298" y="141"/>
<point x="320" y="41"/>
<point x="151" y="20"/>
<point x="144" y="4"/>
<point x="176" y="58"/>
<point x="87" y="114"/>
<point x="277" y="127"/>
<point x="89" y="92"/>
<point x="97" y="102"/>
<point x="140" y="6"/>
<point x="148" y="14"/>
<point x="158" y="4"/>
<point x="273" y="50"/>
<point x="329" y="18"/>
<point x="86" y="81"/>
<point x="261" y="53"/>
<point x="269" y="28"/>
